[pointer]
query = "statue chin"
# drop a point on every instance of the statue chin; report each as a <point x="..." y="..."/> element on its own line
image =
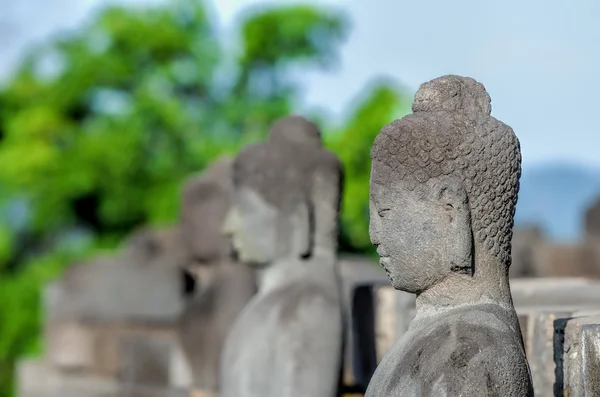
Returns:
<point x="255" y="264"/>
<point x="252" y="260"/>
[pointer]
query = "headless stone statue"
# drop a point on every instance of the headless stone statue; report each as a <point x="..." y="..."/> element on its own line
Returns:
<point x="444" y="186"/>
<point x="288" y="340"/>
<point x="222" y="285"/>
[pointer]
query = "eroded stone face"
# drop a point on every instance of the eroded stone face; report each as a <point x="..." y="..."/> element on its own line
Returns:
<point x="221" y="285"/>
<point x="404" y="227"/>
<point x="288" y="339"/>
<point x="252" y="226"/>
<point x="444" y="185"/>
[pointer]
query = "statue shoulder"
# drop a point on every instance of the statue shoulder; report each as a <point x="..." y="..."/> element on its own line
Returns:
<point x="456" y="357"/>
<point x="308" y="302"/>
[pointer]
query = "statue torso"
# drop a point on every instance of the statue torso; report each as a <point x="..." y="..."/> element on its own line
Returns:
<point x="208" y="319"/>
<point x="282" y="337"/>
<point x="468" y="351"/>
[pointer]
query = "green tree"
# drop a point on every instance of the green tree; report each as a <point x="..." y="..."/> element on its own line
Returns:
<point x="99" y="143"/>
<point x="382" y="103"/>
<point x="137" y="100"/>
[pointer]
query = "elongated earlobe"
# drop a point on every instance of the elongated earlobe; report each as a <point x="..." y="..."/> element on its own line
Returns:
<point x="301" y="231"/>
<point x="454" y="201"/>
<point x="308" y="231"/>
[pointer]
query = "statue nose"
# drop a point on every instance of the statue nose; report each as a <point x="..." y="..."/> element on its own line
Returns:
<point x="373" y="234"/>
<point x="227" y="228"/>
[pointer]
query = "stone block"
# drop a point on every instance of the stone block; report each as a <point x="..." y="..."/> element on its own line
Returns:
<point x="538" y="336"/>
<point x="144" y="284"/>
<point x="358" y="275"/>
<point x="146" y="360"/>
<point x="552" y="292"/>
<point x="70" y="345"/>
<point x="577" y="356"/>
<point x="180" y="371"/>
<point x="39" y="378"/>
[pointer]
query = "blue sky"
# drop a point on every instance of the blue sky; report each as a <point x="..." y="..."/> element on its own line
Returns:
<point x="539" y="60"/>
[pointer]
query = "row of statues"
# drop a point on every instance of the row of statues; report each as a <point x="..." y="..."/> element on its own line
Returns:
<point x="444" y="187"/>
<point x="270" y="308"/>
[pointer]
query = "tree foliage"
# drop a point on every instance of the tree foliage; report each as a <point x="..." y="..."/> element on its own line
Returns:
<point x="98" y="129"/>
<point x="381" y="104"/>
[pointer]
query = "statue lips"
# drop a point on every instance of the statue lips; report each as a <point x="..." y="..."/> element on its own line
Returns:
<point x="383" y="259"/>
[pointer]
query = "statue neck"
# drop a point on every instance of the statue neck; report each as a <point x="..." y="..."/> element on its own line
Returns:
<point x="488" y="285"/>
<point x="284" y="271"/>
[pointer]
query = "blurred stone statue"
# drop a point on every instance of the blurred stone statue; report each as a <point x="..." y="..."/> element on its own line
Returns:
<point x="222" y="287"/>
<point x="444" y="186"/>
<point x="288" y="340"/>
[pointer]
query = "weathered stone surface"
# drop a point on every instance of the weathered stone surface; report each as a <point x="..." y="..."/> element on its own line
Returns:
<point x="444" y="186"/>
<point x="539" y="303"/>
<point x="108" y="288"/>
<point x="222" y="287"/>
<point x="577" y="355"/>
<point x="288" y="340"/>
<point x="538" y="335"/>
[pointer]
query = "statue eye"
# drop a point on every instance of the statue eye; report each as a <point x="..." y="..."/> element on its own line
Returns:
<point x="383" y="212"/>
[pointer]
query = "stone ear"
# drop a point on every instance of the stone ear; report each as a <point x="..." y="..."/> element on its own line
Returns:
<point x="451" y="193"/>
<point x="307" y="229"/>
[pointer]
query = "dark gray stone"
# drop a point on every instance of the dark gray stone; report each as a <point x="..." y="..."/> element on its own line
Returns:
<point x="221" y="287"/>
<point x="288" y="339"/>
<point x="444" y="187"/>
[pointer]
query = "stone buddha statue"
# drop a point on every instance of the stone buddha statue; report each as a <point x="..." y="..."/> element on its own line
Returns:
<point x="288" y="339"/>
<point x="444" y="186"/>
<point x="221" y="285"/>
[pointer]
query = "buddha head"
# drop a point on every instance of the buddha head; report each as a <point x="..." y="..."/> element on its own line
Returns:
<point x="295" y="129"/>
<point x="204" y="206"/>
<point x="444" y="186"/>
<point x="279" y="189"/>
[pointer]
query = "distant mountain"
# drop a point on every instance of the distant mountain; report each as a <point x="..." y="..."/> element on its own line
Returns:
<point x="555" y="196"/>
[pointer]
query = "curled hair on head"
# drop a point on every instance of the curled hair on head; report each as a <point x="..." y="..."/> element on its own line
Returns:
<point x="288" y="175"/>
<point x="295" y="129"/>
<point x="451" y="134"/>
<point x="452" y="93"/>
